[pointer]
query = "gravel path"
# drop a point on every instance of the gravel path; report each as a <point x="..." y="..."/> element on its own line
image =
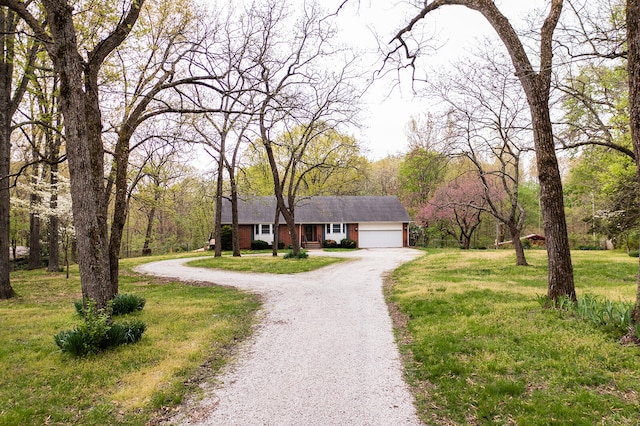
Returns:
<point x="324" y="353"/>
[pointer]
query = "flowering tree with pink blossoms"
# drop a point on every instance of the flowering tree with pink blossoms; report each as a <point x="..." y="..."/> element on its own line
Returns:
<point x="456" y="207"/>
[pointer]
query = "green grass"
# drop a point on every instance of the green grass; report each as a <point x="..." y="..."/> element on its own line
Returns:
<point x="479" y="348"/>
<point x="187" y="327"/>
<point x="266" y="264"/>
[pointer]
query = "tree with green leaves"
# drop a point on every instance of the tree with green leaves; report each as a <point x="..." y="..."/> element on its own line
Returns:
<point x="78" y="67"/>
<point x="419" y="175"/>
<point x="382" y="176"/>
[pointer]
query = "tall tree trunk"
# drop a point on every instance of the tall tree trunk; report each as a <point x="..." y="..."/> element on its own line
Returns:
<point x="235" y="225"/>
<point x="276" y="232"/>
<point x="218" y="210"/>
<point x="54" y="223"/>
<point x="287" y="212"/>
<point x="83" y="133"/>
<point x="536" y="85"/>
<point x="633" y="66"/>
<point x="35" y="260"/>
<point x="120" y="208"/>
<point x="6" y="107"/>
<point x="560" y="272"/>
<point x="521" y="260"/>
<point x="34" y="219"/>
<point x="54" y="241"/>
<point x="81" y="110"/>
<point x="146" y="249"/>
<point x="6" y="291"/>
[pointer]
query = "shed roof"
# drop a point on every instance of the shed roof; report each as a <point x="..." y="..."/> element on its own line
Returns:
<point x="309" y="210"/>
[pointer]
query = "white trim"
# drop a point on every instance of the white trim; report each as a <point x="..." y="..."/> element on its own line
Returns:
<point x="380" y="226"/>
<point x="258" y="234"/>
<point x="329" y="233"/>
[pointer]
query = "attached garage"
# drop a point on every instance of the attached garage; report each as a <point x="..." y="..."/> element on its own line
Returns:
<point x="380" y="235"/>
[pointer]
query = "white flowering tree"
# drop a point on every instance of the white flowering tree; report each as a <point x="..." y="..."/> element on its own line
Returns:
<point x="45" y="209"/>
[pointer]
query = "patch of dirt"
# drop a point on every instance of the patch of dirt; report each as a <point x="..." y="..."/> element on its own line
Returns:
<point x="631" y="338"/>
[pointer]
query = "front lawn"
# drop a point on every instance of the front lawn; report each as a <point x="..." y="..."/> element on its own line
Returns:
<point x="187" y="327"/>
<point x="480" y="349"/>
<point x="266" y="264"/>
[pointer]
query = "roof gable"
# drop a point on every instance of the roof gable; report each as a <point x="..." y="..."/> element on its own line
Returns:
<point x="332" y="209"/>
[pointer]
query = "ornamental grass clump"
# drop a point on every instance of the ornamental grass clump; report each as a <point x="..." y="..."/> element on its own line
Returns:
<point x="614" y="317"/>
<point x="96" y="333"/>
<point x="127" y="303"/>
<point x="302" y="254"/>
<point x="122" y="304"/>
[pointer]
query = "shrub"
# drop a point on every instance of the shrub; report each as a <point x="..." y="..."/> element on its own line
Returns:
<point x="329" y="244"/>
<point x="89" y="336"/>
<point x="526" y="243"/>
<point x="71" y="341"/>
<point x="96" y="333"/>
<point x="259" y="245"/>
<point x="280" y="245"/>
<point x="126" y="332"/>
<point x="347" y="243"/>
<point x="301" y="255"/>
<point x="634" y="253"/>
<point x="79" y="307"/>
<point x="226" y="237"/>
<point x="127" y="303"/>
<point x="589" y="247"/>
<point x="120" y="305"/>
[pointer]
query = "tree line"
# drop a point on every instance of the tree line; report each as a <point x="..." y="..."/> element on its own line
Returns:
<point x="109" y="93"/>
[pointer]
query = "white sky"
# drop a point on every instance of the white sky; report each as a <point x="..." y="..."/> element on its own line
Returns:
<point x="457" y="29"/>
<point x="387" y="108"/>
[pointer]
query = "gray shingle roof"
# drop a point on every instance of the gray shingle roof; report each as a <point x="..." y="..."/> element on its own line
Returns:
<point x="339" y="209"/>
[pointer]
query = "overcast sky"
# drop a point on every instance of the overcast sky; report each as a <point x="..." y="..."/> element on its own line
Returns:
<point x="458" y="29"/>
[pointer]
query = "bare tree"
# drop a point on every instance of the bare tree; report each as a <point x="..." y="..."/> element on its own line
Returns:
<point x="491" y="127"/>
<point x="536" y="83"/>
<point x="226" y="131"/>
<point x="296" y="91"/>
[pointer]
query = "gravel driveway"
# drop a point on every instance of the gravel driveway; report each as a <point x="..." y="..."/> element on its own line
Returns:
<point x="324" y="353"/>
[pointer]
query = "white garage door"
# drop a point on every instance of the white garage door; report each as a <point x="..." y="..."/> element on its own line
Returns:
<point x="374" y="235"/>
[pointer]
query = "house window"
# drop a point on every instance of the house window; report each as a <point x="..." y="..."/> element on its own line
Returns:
<point x="335" y="228"/>
<point x="263" y="229"/>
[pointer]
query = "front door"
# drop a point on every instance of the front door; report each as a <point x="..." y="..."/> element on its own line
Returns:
<point x="310" y="233"/>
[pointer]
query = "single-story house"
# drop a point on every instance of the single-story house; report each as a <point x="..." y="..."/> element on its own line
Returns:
<point x="371" y="222"/>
